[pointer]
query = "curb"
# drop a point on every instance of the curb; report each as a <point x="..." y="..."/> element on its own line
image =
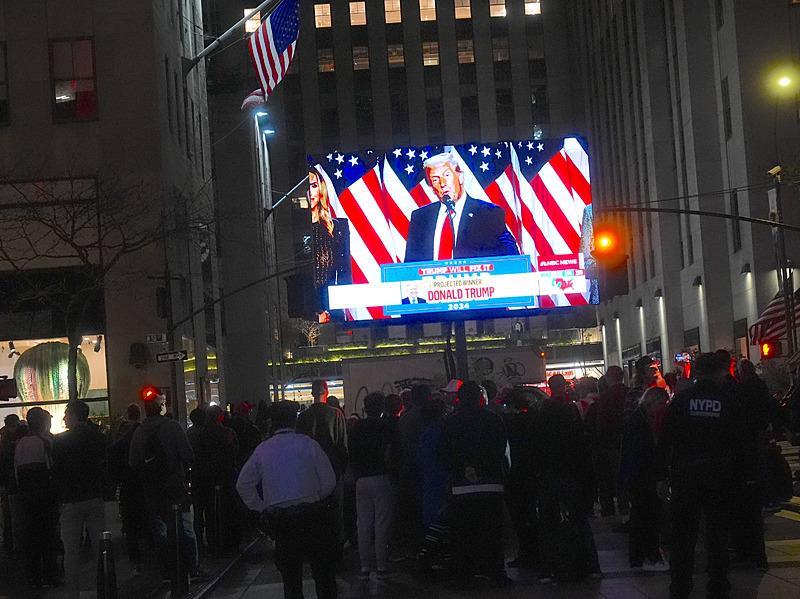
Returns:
<point x="211" y="584"/>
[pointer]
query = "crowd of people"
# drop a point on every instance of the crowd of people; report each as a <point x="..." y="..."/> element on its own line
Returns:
<point x="172" y="486"/>
<point x="427" y="475"/>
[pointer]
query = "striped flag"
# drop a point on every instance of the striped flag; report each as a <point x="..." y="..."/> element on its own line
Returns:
<point x="541" y="185"/>
<point x="273" y="43"/>
<point x="254" y="99"/>
<point x="771" y="324"/>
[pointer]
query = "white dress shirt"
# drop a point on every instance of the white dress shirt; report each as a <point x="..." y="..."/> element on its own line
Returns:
<point x="437" y="235"/>
<point x="292" y="469"/>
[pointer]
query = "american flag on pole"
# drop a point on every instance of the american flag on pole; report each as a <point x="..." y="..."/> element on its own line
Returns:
<point x="543" y="187"/>
<point x="273" y="43"/>
<point x="771" y="324"/>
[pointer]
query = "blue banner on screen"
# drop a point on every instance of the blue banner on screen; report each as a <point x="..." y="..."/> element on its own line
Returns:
<point x="495" y="226"/>
<point x="453" y="285"/>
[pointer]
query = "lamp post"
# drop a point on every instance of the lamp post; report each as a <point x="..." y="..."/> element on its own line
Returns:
<point x="783" y="83"/>
<point x="261" y="132"/>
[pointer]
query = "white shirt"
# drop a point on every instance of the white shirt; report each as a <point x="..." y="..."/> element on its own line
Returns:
<point x="292" y="469"/>
<point x="437" y="235"/>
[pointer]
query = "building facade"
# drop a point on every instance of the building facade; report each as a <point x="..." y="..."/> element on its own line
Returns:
<point x="683" y="112"/>
<point x="372" y="74"/>
<point x="95" y="111"/>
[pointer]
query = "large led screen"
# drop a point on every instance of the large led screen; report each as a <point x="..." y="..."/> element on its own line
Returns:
<point x="423" y="231"/>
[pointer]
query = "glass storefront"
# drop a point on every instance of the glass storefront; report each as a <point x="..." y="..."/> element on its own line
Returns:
<point x="40" y="367"/>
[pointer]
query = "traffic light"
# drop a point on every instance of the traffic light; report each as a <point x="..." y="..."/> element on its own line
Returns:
<point x="148" y="393"/>
<point x="608" y="247"/>
<point x="611" y="260"/>
<point x="770" y="349"/>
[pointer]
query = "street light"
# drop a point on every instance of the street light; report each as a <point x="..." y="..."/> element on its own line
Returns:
<point x="783" y="80"/>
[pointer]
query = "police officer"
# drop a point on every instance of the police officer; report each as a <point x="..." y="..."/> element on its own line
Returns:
<point x="702" y="439"/>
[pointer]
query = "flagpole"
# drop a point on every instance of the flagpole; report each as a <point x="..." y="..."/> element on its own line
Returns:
<point x="269" y="211"/>
<point x="190" y="63"/>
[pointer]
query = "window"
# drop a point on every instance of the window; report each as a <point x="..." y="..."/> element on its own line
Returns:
<point x="463" y="9"/>
<point x="741" y="341"/>
<point x="726" y="109"/>
<point x="3" y="85"/>
<point x="500" y="49"/>
<point x="360" y="58"/>
<point x="325" y="60"/>
<point x="430" y="54"/>
<point x="322" y="15"/>
<point x="396" y="57"/>
<point x="533" y="7"/>
<point x="497" y="8"/>
<point x="391" y="10"/>
<point x="358" y="13"/>
<point x="466" y="52"/>
<point x="253" y="23"/>
<point x="427" y="12"/>
<point x="73" y="77"/>
<point x="186" y="122"/>
<point x="168" y="90"/>
<point x="736" y="224"/>
<point x="177" y="107"/>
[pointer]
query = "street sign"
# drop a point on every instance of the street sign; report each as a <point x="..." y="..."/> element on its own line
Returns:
<point x="156" y="338"/>
<point x="172" y="356"/>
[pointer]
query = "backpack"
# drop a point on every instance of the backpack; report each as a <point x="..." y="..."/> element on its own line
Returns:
<point x="155" y="467"/>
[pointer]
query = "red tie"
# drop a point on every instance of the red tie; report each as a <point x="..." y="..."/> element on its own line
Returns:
<point x="446" y="239"/>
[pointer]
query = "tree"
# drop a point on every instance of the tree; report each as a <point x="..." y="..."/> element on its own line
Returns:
<point x="91" y="224"/>
<point x="310" y="331"/>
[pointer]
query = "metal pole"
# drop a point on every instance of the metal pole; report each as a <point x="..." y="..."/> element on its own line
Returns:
<point x="783" y="269"/>
<point x="190" y="63"/>
<point x="271" y="209"/>
<point x="462" y="365"/>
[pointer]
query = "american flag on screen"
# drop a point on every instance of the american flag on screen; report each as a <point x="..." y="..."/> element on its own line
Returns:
<point x="273" y="43"/>
<point x="542" y="185"/>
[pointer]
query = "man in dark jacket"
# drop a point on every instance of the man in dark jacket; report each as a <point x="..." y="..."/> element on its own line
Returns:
<point x="132" y="504"/>
<point x="559" y="445"/>
<point x="607" y="435"/>
<point x="213" y="478"/>
<point x="161" y="453"/>
<point x="519" y="418"/>
<point x="474" y="446"/>
<point x="326" y="425"/>
<point x="79" y="471"/>
<point x="702" y="443"/>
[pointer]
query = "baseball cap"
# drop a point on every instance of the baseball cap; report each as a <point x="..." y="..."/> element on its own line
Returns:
<point x="453" y="386"/>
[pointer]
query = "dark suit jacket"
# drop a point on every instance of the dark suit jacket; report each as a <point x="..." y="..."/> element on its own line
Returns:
<point x="482" y="234"/>
<point x="419" y="301"/>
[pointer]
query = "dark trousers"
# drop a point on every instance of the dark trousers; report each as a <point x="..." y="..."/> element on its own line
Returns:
<point x="8" y="537"/>
<point x="560" y="500"/>
<point x="174" y="545"/>
<point x="133" y="511"/>
<point x="645" y="523"/>
<point x="606" y="465"/>
<point x="748" y="537"/>
<point x="306" y="532"/>
<point x="521" y="503"/>
<point x="476" y="522"/>
<point x="711" y="497"/>
<point x="41" y="540"/>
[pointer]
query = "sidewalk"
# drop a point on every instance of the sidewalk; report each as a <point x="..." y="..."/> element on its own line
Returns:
<point x="255" y="576"/>
<point x="148" y="584"/>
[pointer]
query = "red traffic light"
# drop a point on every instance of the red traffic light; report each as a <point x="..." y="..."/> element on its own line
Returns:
<point x="148" y="393"/>
<point x="770" y="349"/>
<point x="608" y="246"/>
